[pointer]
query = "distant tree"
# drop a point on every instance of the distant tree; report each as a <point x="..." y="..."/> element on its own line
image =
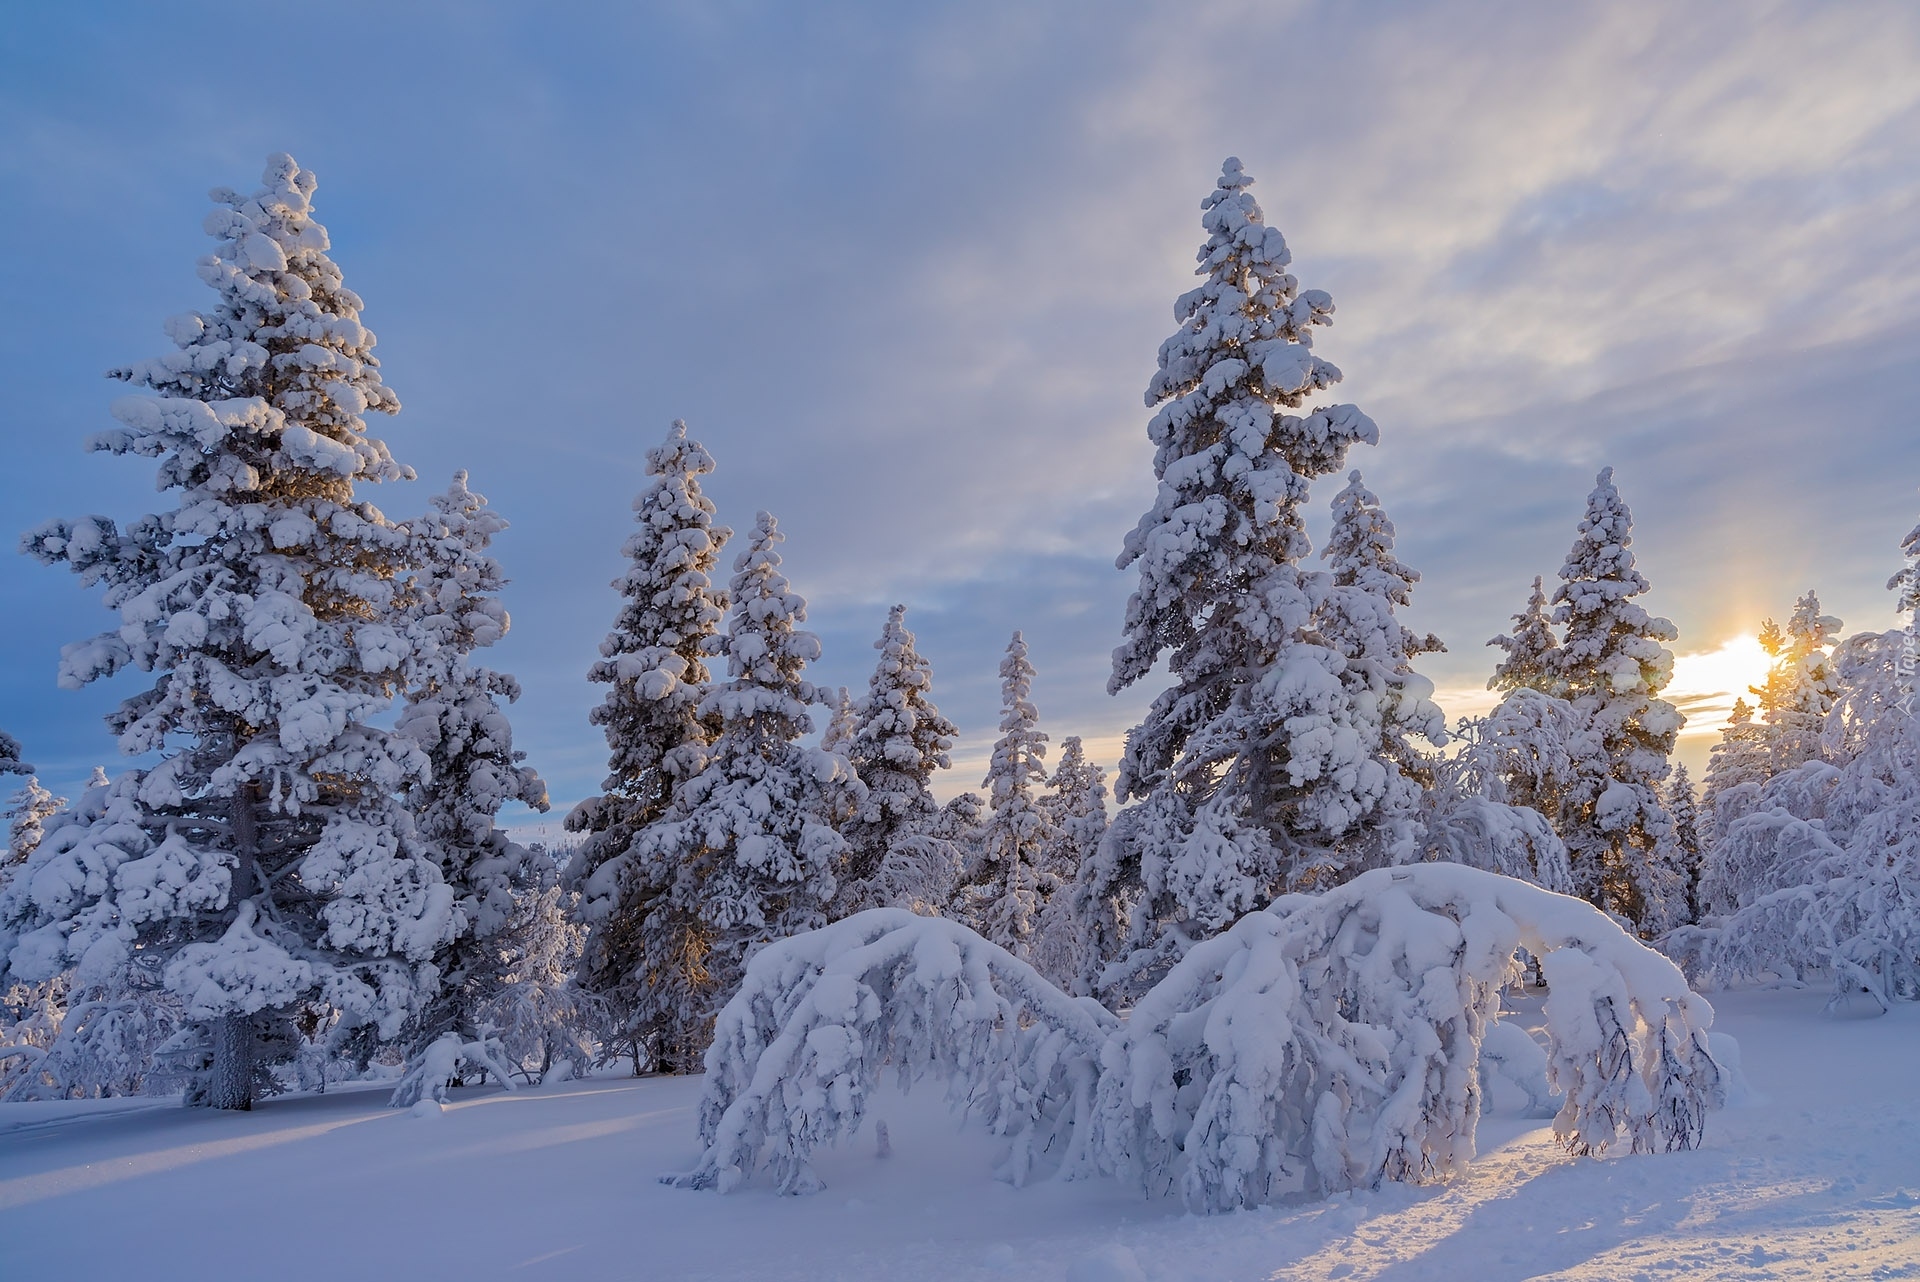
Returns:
<point x="1800" y="688"/>
<point x="897" y="739"/>
<point x="27" y="814"/>
<point x="267" y="858"/>
<point x="1079" y="923"/>
<point x="653" y="978"/>
<point x="750" y="838"/>
<point x="1690" y="862"/>
<point x="1009" y="884"/>
<point x="1251" y="761"/>
<point x="1532" y="650"/>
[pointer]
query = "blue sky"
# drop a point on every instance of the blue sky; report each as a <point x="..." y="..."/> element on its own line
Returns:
<point x="904" y="270"/>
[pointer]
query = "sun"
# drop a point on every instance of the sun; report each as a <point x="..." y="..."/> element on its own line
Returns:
<point x="1706" y="683"/>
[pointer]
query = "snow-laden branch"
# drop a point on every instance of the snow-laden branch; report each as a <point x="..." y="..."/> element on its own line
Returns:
<point x="1330" y="1041"/>
<point x="797" y="1052"/>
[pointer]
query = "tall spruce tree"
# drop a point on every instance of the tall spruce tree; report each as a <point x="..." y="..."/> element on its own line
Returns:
<point x="897" y="739"/>
<point x="454" y="712"/>
<point x="1010" y="883"/>
<point x="1251" y="763"/>
<point x="266" y="856"/>
<point x="750" y="840"/>
<point x="652" y="979"/>
<point x="1613" y="666"/>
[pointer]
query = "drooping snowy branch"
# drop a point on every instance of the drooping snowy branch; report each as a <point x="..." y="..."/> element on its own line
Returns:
<point x="1329" y="1042"/>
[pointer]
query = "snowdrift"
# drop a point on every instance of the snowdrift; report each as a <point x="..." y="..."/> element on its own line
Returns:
<point x="1326" y="1042"/>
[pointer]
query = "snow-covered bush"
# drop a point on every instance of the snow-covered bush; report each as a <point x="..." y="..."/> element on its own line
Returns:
<point x="438" y="1066"/>
<point x="799" y="1049"/>
<point x="1328" y="1042"/>
<point x="62" y="1042"/>
<point x="537" y="1012"/>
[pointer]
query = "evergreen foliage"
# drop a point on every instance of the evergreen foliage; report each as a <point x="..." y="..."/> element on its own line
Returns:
<point x="645" y="957"/>
<point x="266" y="859"/>
<point x="896" y="740"/>
<point x="453" y="712"/>
<point x="1613" y="666"/>
<point x="749" y="840"/>
<point x="1010" y="882"/>
<point x="1252" y="761"/>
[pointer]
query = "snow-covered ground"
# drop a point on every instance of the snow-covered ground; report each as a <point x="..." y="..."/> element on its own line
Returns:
<point x="1818" y="1177"/>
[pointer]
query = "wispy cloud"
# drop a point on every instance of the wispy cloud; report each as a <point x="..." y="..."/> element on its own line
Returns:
<point x="905" y="270"/>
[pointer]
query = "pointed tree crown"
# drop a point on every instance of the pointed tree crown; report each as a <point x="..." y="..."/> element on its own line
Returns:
<point x="1233" y="467"/>
<point x="1612" y="644"/>
<point x="1532" y="659"/>
<point x="766" y="648"/>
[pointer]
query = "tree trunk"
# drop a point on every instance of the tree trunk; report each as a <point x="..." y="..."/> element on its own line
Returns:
<point x="232" y="1084"/>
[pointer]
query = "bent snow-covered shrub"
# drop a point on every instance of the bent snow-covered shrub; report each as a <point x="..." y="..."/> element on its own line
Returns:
<point x="799" y="1049"/>
<point x="1330" y="1041"/>
<point x="1327" y="1042"/>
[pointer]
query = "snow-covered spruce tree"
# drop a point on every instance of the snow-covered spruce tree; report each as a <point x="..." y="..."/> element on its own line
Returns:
<point x="1618" y="833"/>
<point x="1522" y="753"/>
<point x="450" y="607"/>
<point x="266" y="858"/>
<point x="653" y="979"/>
<point x="1254" y="760"/>
<point x="1800" y="687"/>
<point x="1466" y="815"/>
<point x="1821" y="874"/>
<point x="1080" y="927"/>
<point x="1736" y="769"/>
<point x="1394" y="702"/>
<point x="27" y="814"/>
<point x="1686" y="837"/>
<point x="535" y="1011"/>
<point x="1532" y="650"/>
<point x="898" y="738"/>
<point x="1009" y="882"/>
<point x="750" y="840"/>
